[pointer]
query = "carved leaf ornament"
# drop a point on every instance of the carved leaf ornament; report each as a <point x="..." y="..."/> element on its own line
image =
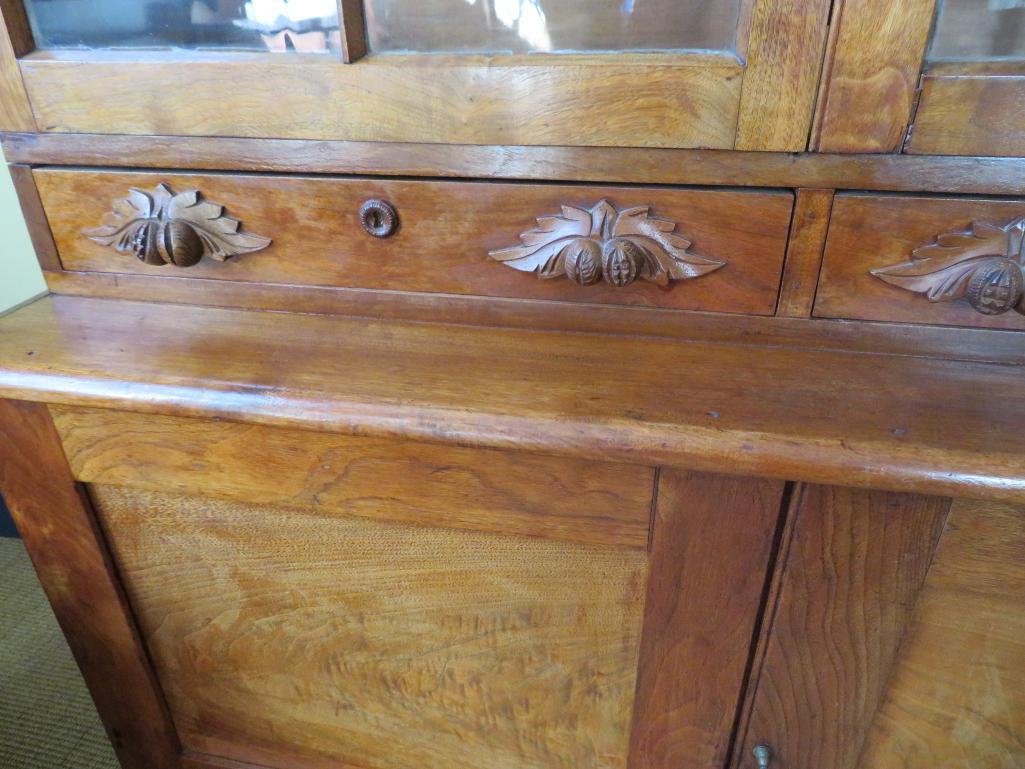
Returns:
<point x="161" y="227"/>
<point x="602" y="243"/>
<point x="985" y="266"/>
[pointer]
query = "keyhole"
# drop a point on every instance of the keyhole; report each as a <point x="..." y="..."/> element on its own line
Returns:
<point x="378" y="218"/>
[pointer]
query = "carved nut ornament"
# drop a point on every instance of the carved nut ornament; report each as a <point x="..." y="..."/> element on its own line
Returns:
<point x="160" y="227"/>
<point x="606" y="244"/>
<point x="984" y="266"/>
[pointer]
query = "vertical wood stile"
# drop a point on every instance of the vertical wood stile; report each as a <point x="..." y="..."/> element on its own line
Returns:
<point x="70" y="556"/>
<point x="866" y="105"/>
<point x="354" y="30"/>
<point x="711" y="544"/>
<point x="805" y="248"/>
<point x="15" y="41"/>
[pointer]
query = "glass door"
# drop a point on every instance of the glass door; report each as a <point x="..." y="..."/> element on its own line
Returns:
<point x="660" y="73"/>
<point x="275" y="25"/>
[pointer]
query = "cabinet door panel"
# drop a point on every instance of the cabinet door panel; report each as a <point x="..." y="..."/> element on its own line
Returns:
<point x="957" y="695"/>
<point x="285" y="637"/>
<point x="847" y="590"/>
<point x="310" y="618"/>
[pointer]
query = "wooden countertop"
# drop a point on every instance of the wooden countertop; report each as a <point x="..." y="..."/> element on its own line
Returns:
<point x="882" y="421"/>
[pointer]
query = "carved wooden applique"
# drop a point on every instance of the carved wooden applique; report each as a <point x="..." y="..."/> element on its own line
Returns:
<point x="161" y="227"/>
<point x="604" y="243"/>
<point x="984" y="265"/>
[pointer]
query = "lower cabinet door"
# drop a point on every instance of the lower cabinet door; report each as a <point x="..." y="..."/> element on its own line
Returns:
<point x="855" y="562"/>
<point x="313" y="601"/>
<point x="286" y="637"/>
<point x="898" y="638"/>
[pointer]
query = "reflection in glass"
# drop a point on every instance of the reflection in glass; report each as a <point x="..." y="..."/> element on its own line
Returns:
<point x="558" y="26"/>
<point x="968" y="30"/>
<point x="278" y="25"/>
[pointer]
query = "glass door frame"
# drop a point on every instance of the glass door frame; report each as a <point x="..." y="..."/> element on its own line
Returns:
<point x="881" y="94"/>
<point x="762" y="98"/>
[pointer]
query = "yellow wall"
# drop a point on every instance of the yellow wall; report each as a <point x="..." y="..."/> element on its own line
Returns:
<point x="20" y="277"/>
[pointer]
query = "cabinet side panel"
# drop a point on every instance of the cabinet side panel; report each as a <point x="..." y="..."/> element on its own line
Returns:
<point x="711" y="545"/>
<point x="68" y="552"/>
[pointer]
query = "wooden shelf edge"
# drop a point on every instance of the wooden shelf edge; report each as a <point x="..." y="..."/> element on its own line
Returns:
<point x="607" y="165"/>
<point x="59" y="357"/>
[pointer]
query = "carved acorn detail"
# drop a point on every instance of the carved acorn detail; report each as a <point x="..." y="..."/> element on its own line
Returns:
<point x="984" y="266"/>
<point x="995" y="287"/>
<point x="161" y="227"/>
<point x="582" y="261"/>
<point x="586" y="245"/>
<point x="621" y="261"/>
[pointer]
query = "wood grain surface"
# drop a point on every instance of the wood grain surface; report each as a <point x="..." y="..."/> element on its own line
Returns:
<point x="875" y="420"/>
<point x="422" y="484"/>
<point x="631" y="165"/>
<point x="286" y="637"/>
<point x="957" y="694"/>
<point x="353" y="30"/>
<point x="35" y="216"/>
<point x="822" y="334"/>
<point x="15" y="41"/>
<point x="446" y="231"/>
<point x="782" y="75"/>
<point x="640" y="100"/>
<point x="854" y="567"/>
<point x="873" y="76"/>
<point x="970" y="115"/>
<point x="193" y="760"/>
<point x="70" y="556"/>
<point x="804" y="253"/>
<point x="867" y="232"/>
<point x="711" y="543"/>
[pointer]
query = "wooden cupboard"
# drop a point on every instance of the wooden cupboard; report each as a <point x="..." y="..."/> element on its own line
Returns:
<point x="534" y="385"/>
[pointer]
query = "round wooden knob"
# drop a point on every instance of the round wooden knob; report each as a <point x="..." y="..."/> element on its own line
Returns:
<point x="379" y="218"/>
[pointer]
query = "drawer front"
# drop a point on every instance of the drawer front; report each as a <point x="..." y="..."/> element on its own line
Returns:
<point x="932" y="260"/>
<point x="700" y="249"/>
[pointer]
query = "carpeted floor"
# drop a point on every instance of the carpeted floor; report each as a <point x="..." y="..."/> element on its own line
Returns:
<point x="47" y="720"/>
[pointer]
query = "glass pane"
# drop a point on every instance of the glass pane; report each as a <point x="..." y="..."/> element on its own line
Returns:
<point x="979" y="29"/>
<point x="278" y="25"/>
<point x="558" y="26"/>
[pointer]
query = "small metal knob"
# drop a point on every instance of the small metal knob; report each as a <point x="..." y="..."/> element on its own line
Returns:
<point x="379" y="218"/>
<point x="763" y="755"/>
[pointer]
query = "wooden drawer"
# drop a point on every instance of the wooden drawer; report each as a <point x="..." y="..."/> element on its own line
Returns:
<point x="924" y="260"/>
<point x="706" y="249"/>
<point x="312" y="600"/>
